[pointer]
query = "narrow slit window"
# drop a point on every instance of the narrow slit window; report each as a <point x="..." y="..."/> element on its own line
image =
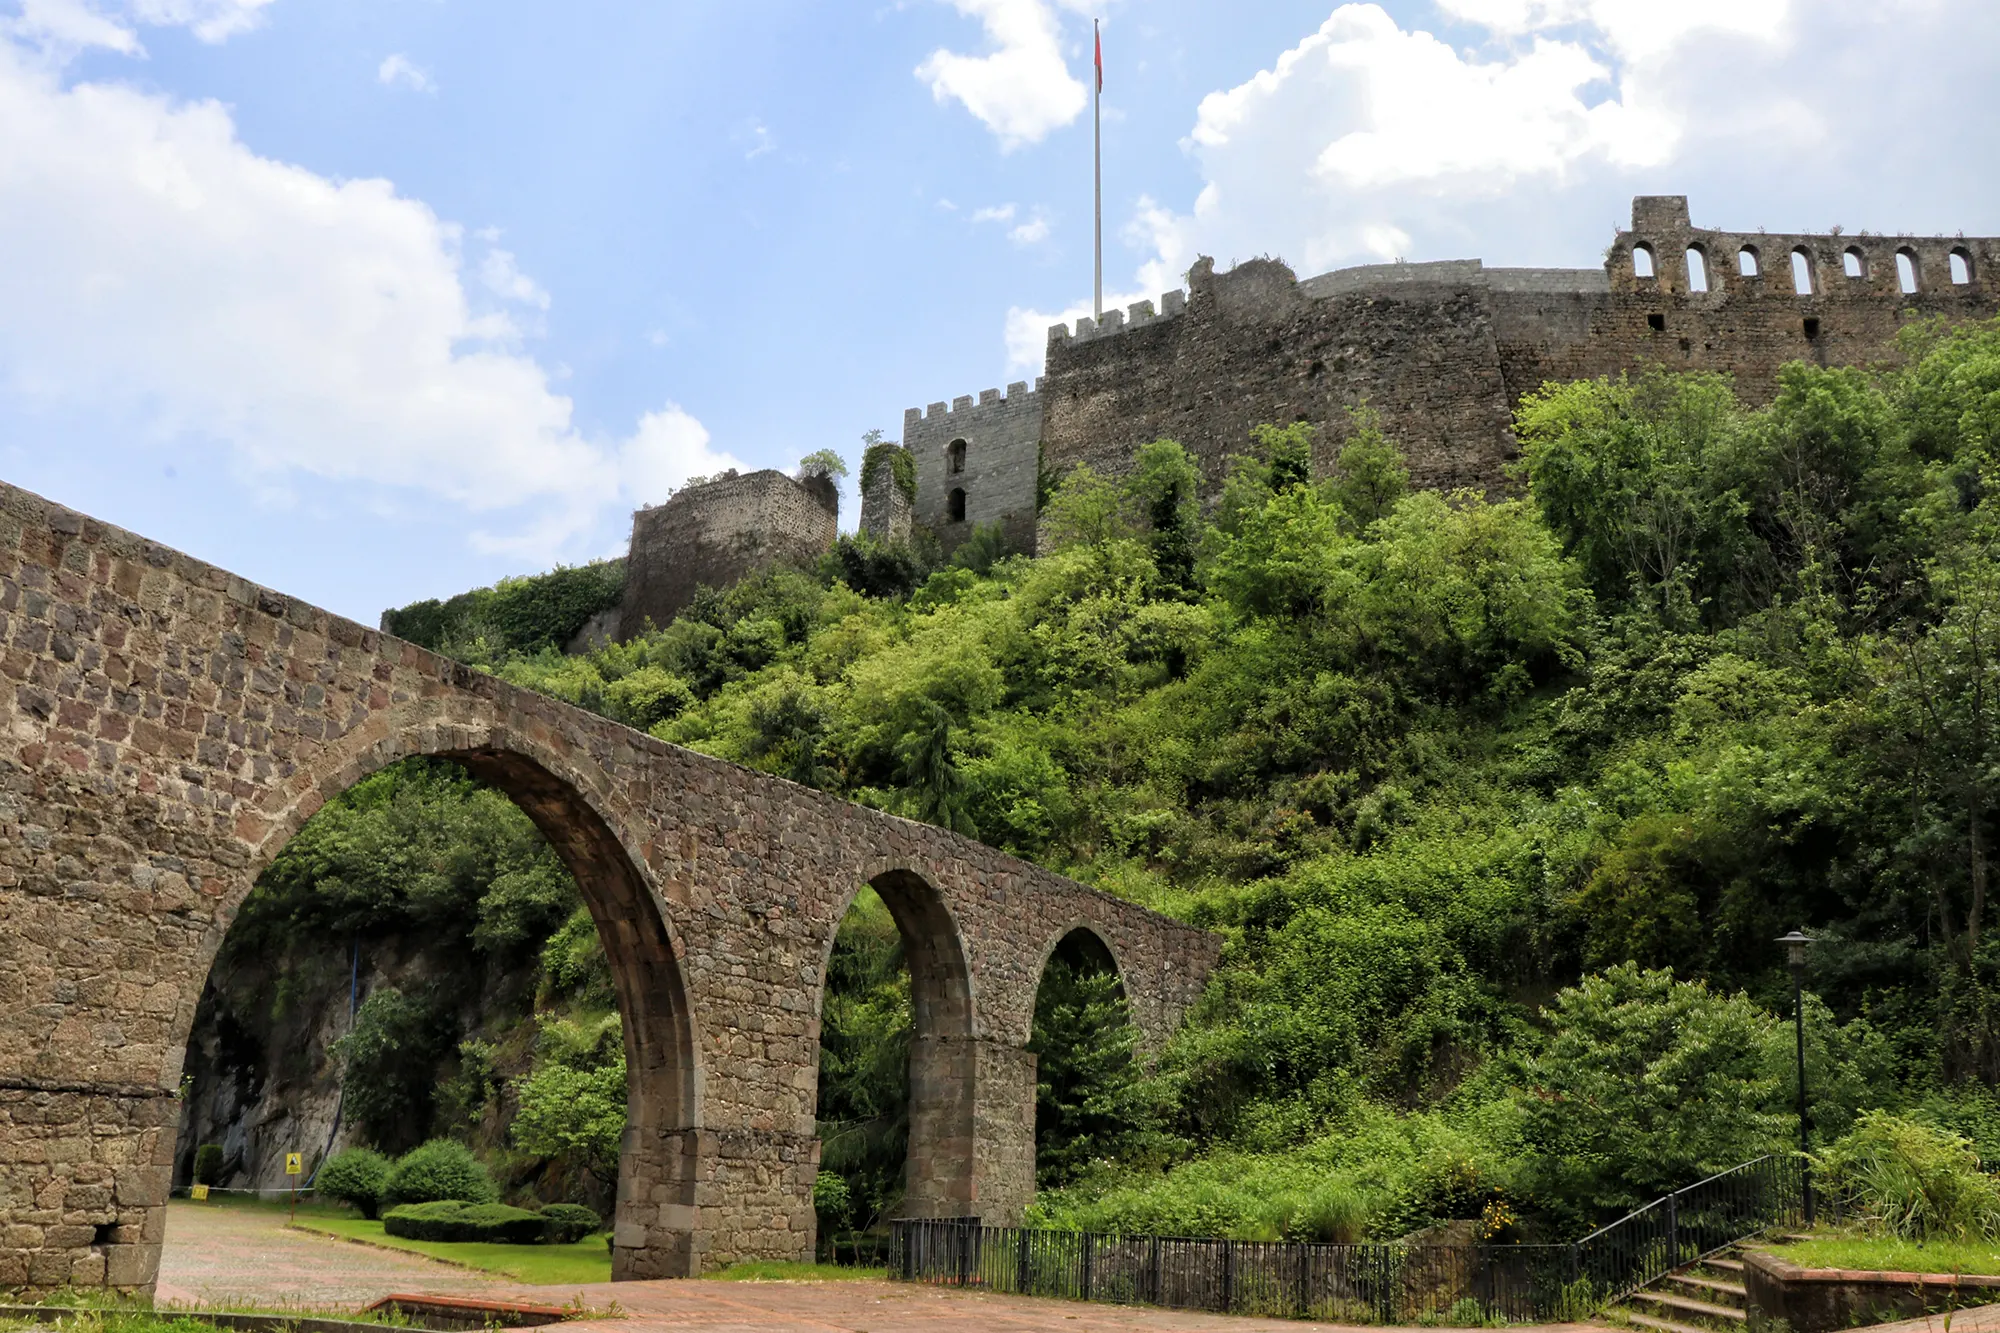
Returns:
<point x="1906" y="272"/>
<point x="1853" y="264"/>
<point x="1657" y="323"/>
<point x="1961" y="268"/>
<point x="1642" y="261"/>
<point x="957" y="504"/>
<point x="1802" y="272"/>
<point x="1746" y="262"/>
<point x="1697" y="270"/>
<point x="1812" y="329"/>
<point x="956" y="455"/>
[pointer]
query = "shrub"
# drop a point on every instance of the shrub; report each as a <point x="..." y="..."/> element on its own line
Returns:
<point x="438" y="1170"/>
<point x="1911" y="1180"/>
<point x="567" y="1222"/>
<point x="208" y="1164"/>
<point x="451" y="1220"/>
<point x="355" y="1178"/>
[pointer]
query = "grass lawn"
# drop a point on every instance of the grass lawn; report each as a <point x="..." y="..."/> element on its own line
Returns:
<point x="1832" y="1250"/>
<point x="587" y="1260"/>
<point x="762" y="1270"/>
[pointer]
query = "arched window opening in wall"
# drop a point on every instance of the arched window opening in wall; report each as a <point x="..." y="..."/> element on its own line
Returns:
<point x="1906" y="271"/>
<point x="1697" y="269"/>
<point x="955" y="456"/>
<point x="524" y="880"/>
<point x="1961" y="268"/>
<point x="1802" y="272"/>
<point x="894" y="1094"/>
<point x="1746" y="262"/>
<point x="1642" y="261"/>
<point x="955" y="505"/>
<point x="1853" y="263"/>
<point x="1091" y="1102"/>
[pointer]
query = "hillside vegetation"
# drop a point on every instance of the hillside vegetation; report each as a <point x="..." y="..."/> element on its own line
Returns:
<point x="1499" y="803"/>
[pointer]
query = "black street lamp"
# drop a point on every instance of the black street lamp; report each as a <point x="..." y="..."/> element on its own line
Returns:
<point x="1796" y="945"/>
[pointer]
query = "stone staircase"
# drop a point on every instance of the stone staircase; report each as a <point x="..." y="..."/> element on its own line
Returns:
<point x="1707" y="1297"/>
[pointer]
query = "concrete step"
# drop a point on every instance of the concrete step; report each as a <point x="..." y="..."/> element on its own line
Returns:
<point x="1727" y="1265"/>
<point x="1689" y="1305"/>
<point x="1658" y="1325"/>
<point x="1713" y="1288"/>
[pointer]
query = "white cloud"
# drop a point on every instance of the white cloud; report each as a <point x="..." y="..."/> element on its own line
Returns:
<point x="996" y="213"/>
<point x="755" y="138"/>
<point x="69" y="25"/>
<point x="159" y="270"/>
<point x="1031" y="232"/>
<point x="398" y="70"/>
<point x="1368" y="141"/>
<point x="1021" y="89"/>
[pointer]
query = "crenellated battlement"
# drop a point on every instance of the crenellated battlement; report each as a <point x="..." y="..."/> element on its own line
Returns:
<point x="966" y="408"/>
<point x="1136" y="315"/>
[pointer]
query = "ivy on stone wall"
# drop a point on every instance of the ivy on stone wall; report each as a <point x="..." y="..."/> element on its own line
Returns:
<point x="897" y="459"/>
<point x="518" y="615"/>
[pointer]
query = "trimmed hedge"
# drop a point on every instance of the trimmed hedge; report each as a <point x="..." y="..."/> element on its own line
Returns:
<point x="569" y="1222"/>
<point x="449" y="1220"/>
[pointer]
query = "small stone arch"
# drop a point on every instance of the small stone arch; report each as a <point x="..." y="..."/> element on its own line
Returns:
<point x="1749" y="263"/>
<point x="1960" y="260"/>
<point x="955" y="505"/>
<point x="1099" y="941"/>
<point x="654" y="1234"/>
<point x="1909" y="271"/>
<point x="938" y="1172"/>
<point x="1696" y="261"/>
<point x="1804" y="279"/>
<point x="1645" y="265"/>
<point x="1854" y="263"/>
<point x="954" y="457"/>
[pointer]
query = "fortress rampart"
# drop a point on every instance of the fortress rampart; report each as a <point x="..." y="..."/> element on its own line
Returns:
<point x="977" y="463"/>
<point x="717" y="533"/>
<point x="1443" y="352"/>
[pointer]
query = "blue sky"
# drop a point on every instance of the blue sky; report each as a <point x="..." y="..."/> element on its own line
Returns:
<point x="372" y="300"/>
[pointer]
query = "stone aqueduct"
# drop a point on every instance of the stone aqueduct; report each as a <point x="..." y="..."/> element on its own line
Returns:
<point x="166" y="726"/>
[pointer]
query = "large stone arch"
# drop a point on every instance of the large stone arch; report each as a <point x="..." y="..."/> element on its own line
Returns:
<point x="165" y="727"/>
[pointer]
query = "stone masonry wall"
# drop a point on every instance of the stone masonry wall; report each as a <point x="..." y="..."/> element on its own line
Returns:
<point x="1001" y="463"/>
<point x="886" y="512"/>
<point x="1444" y="352"/>
<point x="165" y="727"/>
<point x="716" y="534"/>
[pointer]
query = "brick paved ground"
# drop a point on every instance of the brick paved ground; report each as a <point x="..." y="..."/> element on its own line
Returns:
<point x="216" y="1255"/>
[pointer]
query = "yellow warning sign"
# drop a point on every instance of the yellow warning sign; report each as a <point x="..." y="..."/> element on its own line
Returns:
<point x="294" y="1164"/>
<point x="198" y="1193"/>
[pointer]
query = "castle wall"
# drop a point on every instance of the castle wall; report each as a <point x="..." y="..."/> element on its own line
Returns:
<point x="716" y="534"/>
<point x="1414" y="342"/>
<point x="886" y="512"/>
<point x="1744" y="326"/>
<point x="1001" y="463"/>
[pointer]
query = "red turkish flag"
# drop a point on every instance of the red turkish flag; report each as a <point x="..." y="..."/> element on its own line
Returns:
<point x="1100" y="57"/>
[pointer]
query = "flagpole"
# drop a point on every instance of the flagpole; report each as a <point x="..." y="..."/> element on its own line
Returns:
<point x="1097" y="127"/>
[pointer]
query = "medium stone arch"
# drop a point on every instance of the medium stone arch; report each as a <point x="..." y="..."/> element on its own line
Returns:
<point x="1076" y="926"/>
<point x="938" y="1177"/>
<point x="654" y="1233"/>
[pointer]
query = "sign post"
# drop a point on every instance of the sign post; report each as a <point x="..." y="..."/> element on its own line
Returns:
<point x="294" y="1167"/>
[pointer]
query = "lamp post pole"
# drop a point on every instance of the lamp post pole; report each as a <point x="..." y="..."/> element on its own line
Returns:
<point x="1796" y="945"/>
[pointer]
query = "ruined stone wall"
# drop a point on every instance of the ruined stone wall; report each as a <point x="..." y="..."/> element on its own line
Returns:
<point x="1254" y="345"/>
<point x="1444" y="352"/>
<point x="716" y="534"/>
<point x="166" y="727"/>
<point x="996" y="471"/>
<point x="1744" y="325"/>
<point x="886" y="511"/>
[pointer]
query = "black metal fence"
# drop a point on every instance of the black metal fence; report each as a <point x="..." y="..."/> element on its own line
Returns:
<point x="1381" y="1284"/>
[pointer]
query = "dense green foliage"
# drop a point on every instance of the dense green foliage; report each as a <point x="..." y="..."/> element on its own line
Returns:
<point x="519" y="615"/>
<point x="1902" y="1178"/>
<point x="355" y="1177"/>
<point x="569" y="1222"/>
<point x="451" y="1220"/>
<point x="1458" y="779"/>
<point x="442" y="1170"/>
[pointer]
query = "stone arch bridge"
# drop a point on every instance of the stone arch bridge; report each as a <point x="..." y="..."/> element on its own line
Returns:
<point x="165" y="726"/>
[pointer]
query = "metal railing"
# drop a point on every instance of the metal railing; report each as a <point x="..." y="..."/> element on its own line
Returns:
<point x="1382" y="1284"/>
